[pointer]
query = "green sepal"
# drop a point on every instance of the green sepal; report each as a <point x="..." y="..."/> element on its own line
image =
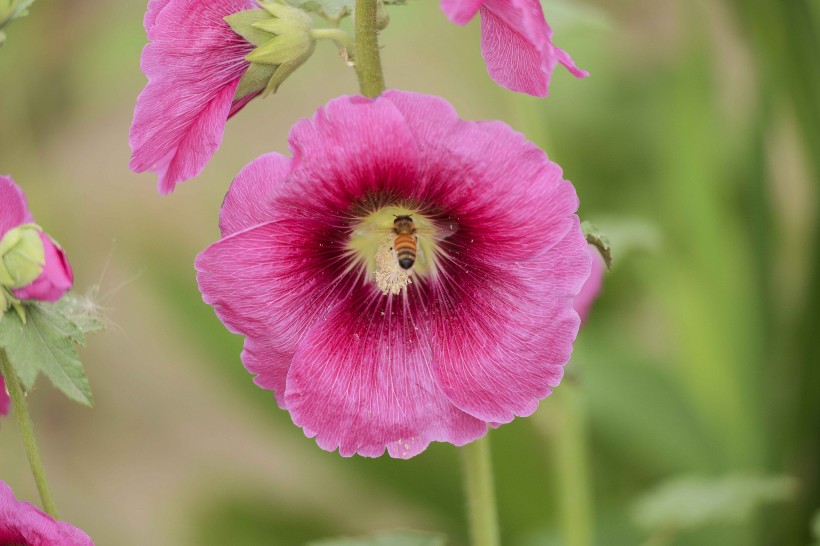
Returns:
<point x="394" y="538"/>
<point x="47" y="342"/>
<point x="283" y="40"/>
<point x="7" y="300"/>
<point x="281" y="49"/>
<point x="274" y="26"/>
<point x="278" y="9"/>
<point x="282" y="73"/>
<point x="256" y="77"/>
<point x="243" y="21"/>
<point x="22" y="256"/>
<point x="598" y="240"/>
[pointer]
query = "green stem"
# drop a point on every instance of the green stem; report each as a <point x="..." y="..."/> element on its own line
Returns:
<point x="478" y="479"/>
<point x="336" y="34"/>
<point x="368" y="60"/>
<point x="18" y="402"/>
<point x="570" y="444"/>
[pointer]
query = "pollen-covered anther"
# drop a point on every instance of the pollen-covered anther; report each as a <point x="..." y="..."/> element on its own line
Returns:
<point x="390" y="277"/>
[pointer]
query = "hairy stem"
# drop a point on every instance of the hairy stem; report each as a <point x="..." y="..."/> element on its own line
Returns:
<point x="18" y="402"/>
<point x="368" y="59"/>
<point x="571" y="463"/>
<point x="478" y="478"/>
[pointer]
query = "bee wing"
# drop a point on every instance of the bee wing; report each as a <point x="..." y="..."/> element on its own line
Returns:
<point x="441" y="231"/>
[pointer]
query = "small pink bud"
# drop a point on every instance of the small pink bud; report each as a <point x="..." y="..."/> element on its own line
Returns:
<point x="56" y="279"/>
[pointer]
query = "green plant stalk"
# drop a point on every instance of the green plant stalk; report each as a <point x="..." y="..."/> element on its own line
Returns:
<point x="336" y="34"/>
<point x="24" y="423"/>
<point x="480" y="491"/>
<point x="785" y="38"/>
<point x="368" y="59"/>
<point x="571" y="466"/>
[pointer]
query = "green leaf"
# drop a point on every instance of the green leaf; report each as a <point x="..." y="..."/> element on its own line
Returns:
<point x="815" y="527"/>
<point x="599" y="240"/>
<point x="691" y="503"/>
<point x="82" y="313"/>
<point x="47" y="343"/>
<point x="393" y="538"/>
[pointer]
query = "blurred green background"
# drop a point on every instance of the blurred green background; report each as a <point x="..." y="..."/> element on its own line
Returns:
<point x="695" y="143"/>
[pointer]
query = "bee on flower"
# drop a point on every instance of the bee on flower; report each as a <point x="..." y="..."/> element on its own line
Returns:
<point x="366" y="354"/>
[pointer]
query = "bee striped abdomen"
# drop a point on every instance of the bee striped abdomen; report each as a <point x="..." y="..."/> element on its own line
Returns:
<point x="405" y="246"/>
<point x="405" y="243"/>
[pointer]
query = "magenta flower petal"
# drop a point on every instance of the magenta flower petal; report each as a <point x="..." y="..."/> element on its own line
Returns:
<point x="592" y="287"/>
<point x="460" y="11"/>
<point x="361" y="383"/>
<point x="193" y="63"/>
<point x="5" y="401"/>
<point x="14" y="210"/>
<point x="353" y="146"/>
<point x="507" y="362"/>
<point x="482" y="330"/>
<point x="56" y="279"/>
<point x="153" y="11"/>
<point x="26" y="525"/>
<point x="516" y="43"/>
<point x="248" y="201"/>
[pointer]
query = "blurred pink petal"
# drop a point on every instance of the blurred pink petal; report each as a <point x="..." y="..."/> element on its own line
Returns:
<point x="592" y="287"/>
<point x="480" y="338"/>
<point x="461" y="11"/>
<point x="13" y="206"/>
<point x="26" y="525"/>
<point x="5" y="401"/>
<point x="516" y="42"/>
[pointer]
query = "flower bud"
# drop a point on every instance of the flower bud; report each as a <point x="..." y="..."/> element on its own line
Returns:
<point x="32" y="266"/>
<point x="382" y="17"/>
<point x="22" y="256"/>
<point x="56" y="279"/>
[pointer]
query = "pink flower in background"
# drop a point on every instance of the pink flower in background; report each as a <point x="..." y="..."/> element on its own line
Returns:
<point x="194" y="63"/>
<point x="516" y="42"/>
<point x="592" y="287"/>
<point x="366" y="354"/>
<point x="5" y="401"/>
<point x="22" y="524"/>
<point x="56" y="277"/>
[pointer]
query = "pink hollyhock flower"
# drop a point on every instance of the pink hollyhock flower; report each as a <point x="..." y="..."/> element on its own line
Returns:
<point x="22" y="524"/>
<point x="194" y="63"/>
<point x="5" y="401"/>
<point x="592" y="287"/>
<point x="516" y="42"/>
<point x="55" y="277"/>
<point x="407" y="277"/>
